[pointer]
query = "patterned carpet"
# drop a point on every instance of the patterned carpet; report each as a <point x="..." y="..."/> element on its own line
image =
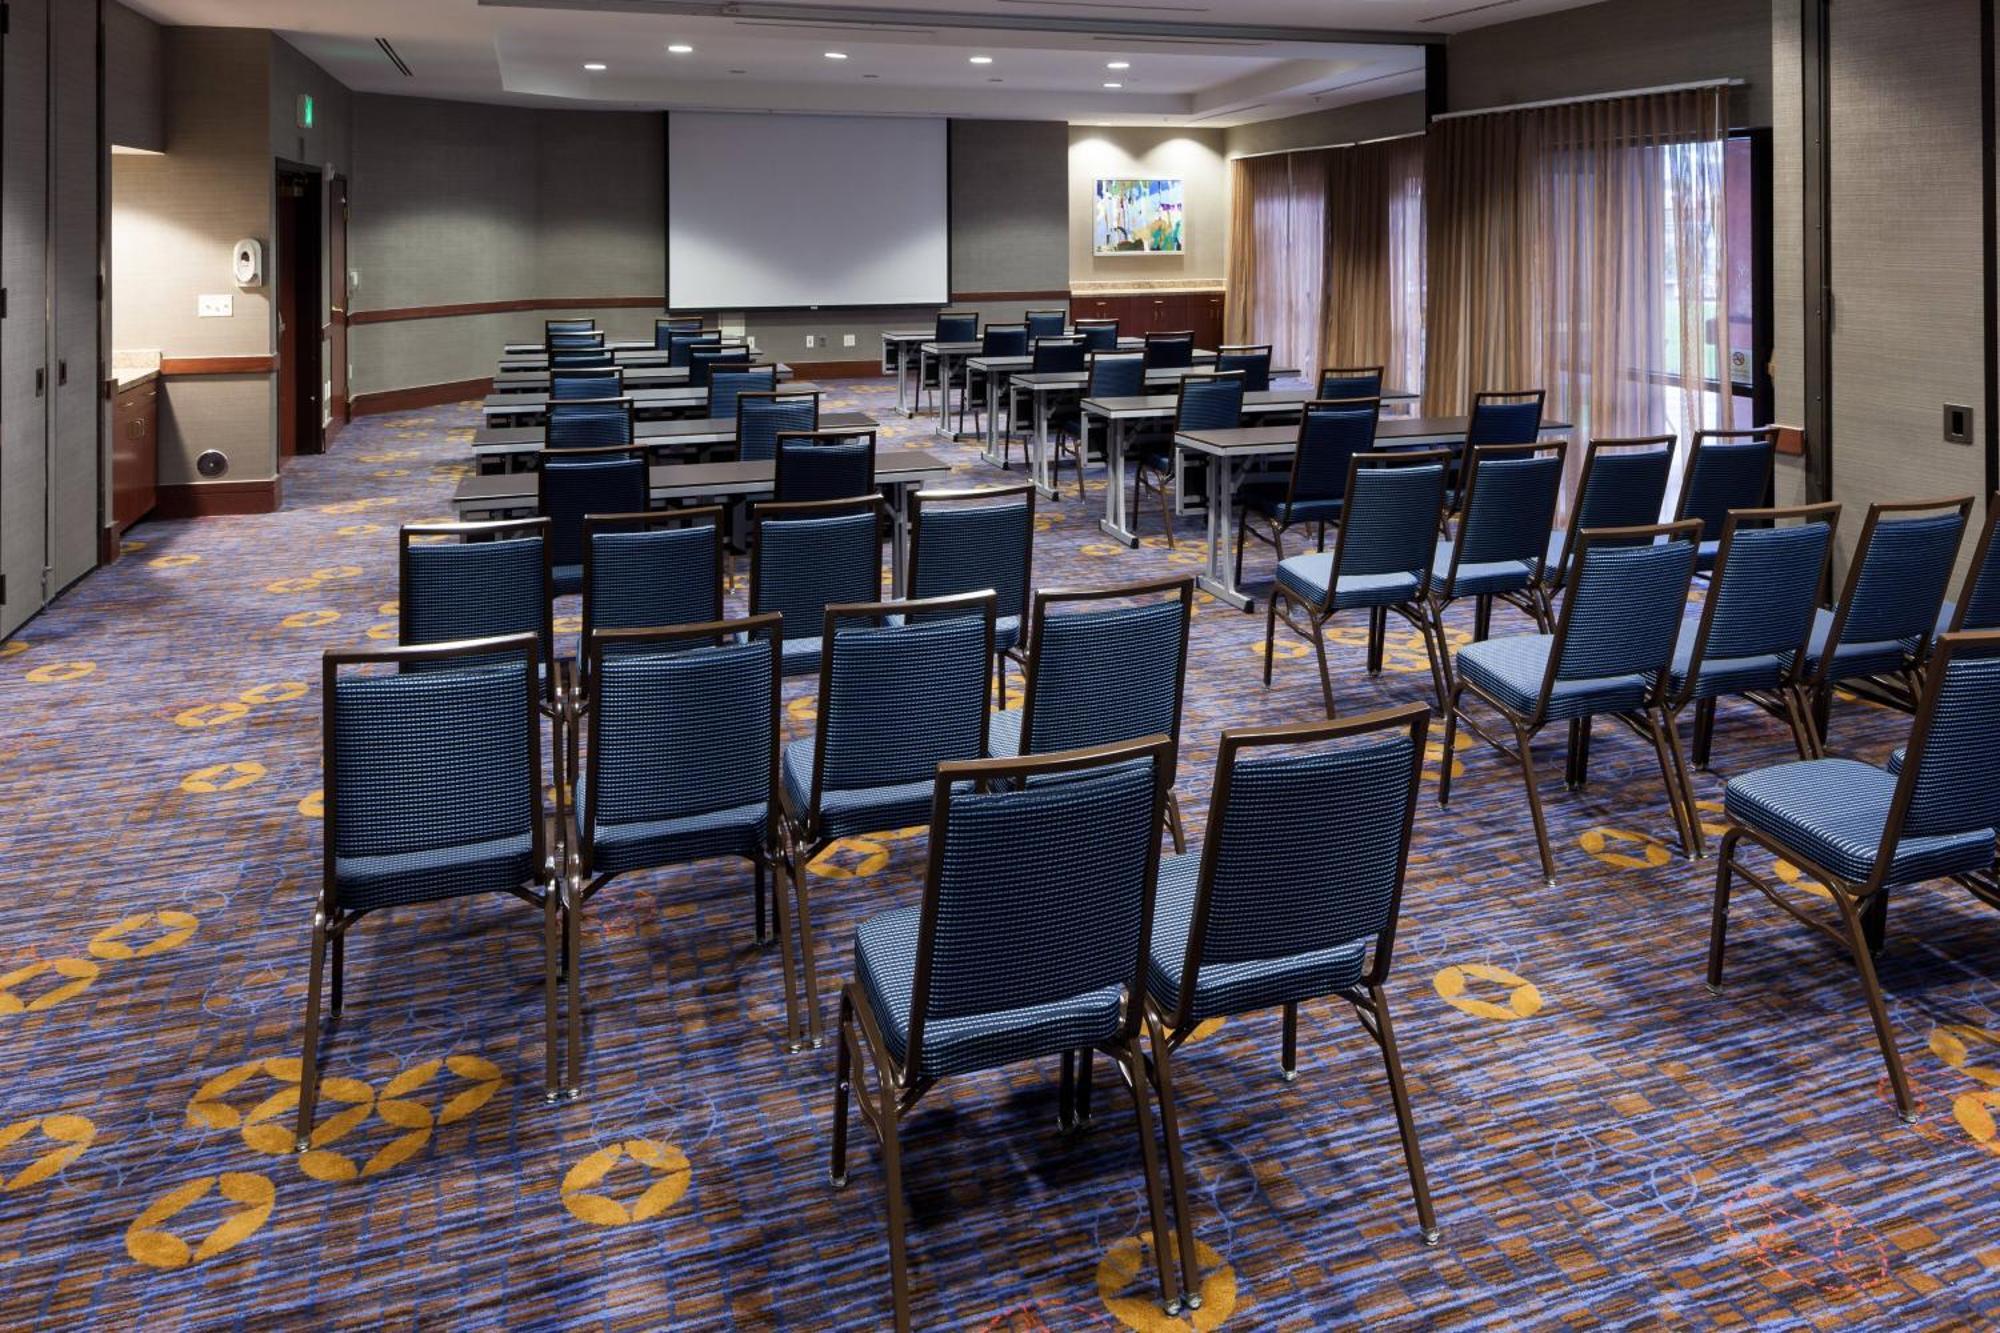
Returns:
<point x="1610" y="1145"/>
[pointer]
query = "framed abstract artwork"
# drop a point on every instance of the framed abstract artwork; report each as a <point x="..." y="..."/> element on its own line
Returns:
<point x="1138" y="217"/>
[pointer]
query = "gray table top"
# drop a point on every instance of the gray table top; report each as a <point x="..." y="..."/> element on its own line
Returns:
<point x="1245" y="441"/>
<point x="652" y="434"/>
<point x="515" y="490"/>
<point x="636" y="377"/>
<point x="976" y="347"/>
<point x="1076" y="379"/>
<point x="506" y="404"/>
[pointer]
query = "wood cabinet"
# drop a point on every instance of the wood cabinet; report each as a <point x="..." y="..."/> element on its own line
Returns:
<point x="135" y="453"/>
<point x="1140" y="313"/>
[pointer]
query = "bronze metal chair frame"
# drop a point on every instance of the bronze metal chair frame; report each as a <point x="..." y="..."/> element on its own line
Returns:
<point x="331" y="922"/>
<point x="921" y="500"/>
<point x="802" y="835"/>
<point x="899" y="1088"/>
<point x="1158" y="483"/>
<point x="1893" y="693"/>
<point x="1183" y="586"/>
<point x="1553" y="575"/>
<point x="1276" y="536"/>
<point x="1864" y="906"/>
<point x="1652" y="722"/>
<point x="500" y="529"/>
<point x="1751" y="434"/>
<point x="1416" y="612"/>
<point x="581" y="875"/>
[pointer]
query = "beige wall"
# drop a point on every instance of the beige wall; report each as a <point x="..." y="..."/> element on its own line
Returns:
<point x="1383" y="118"/>
<point x="1194" y="156"/>
<point x="134" y="79"/>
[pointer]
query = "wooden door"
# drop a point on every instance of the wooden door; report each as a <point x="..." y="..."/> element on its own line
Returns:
<point x="287" y="239"/>
<point x="336" y="328"/>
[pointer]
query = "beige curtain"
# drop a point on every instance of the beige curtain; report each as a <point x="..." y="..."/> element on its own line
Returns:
<point x="1277" y="243"/>
<point x="1581" y="249"/>
<point x="1374" y="303"/>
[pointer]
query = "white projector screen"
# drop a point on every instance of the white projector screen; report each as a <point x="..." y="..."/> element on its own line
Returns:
<point x="769" y="211"/>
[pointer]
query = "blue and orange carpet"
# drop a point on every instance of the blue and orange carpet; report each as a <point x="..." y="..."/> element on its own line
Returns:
<point x="1609" y="1144"/>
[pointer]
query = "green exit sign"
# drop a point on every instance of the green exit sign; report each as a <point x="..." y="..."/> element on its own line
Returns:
<point x="305" y="111"/>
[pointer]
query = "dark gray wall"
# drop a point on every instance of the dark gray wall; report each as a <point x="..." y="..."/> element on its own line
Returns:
<point x="1383" y="118"/>
<point x="135" y="73"/>
<point x="1009" y="206"/>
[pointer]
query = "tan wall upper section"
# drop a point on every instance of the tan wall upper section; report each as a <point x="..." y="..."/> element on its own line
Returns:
<point x="1194" y="156"/>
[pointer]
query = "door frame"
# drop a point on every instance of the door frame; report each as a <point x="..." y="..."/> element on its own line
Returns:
<point x="298" y="303"/>
<point x="335" y="333"/>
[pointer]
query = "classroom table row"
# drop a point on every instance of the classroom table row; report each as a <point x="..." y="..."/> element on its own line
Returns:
<point x="532" y="409"/>
<point x="512" y="448"/>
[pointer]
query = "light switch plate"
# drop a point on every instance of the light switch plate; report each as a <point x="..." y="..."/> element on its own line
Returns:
<point x="847" y="340"/>
<point x="1957" y="424"/>
<point x="215" y="307"/>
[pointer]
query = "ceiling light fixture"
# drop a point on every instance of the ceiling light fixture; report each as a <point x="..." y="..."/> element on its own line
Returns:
<point x="981" y="60"/>
<point x="681" y="49"/>
<point x="594" y="67"/>
<point x="836" y="55"/>
<point x="1119" y="64"/>
<point x="1114" y="85"/>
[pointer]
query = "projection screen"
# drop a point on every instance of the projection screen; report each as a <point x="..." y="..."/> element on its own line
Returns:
<point x="778" y="210"/>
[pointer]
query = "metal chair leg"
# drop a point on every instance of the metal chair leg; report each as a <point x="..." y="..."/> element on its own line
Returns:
<point x="1149" y="1153"/>
<point x="308" y="1060"/>
<point x="1176" y="828"/>
<point x="892" y="1172"/>
<point x="1906" y="1106"/>
<point x="1669" y="761"/>
<point x="1288" y="1053"/>
<point x="781" y="924"/>
<point x="573" y="933"/>
<point x="1523" y="742"/>
<point x="1450" y="742"/>
<point x="1482" y="616"/>
<point x="1718" y="928"/>
<point x="843" y="1091"/>
<point x="762" y="937"/>
<point x="1378" y="630"/>
<point x="1270" y="632"/>
<point x="1163" y="1076"/>
<point x="1704" y="732"/>
<point x="1406" y="1121"/>
<point x="814" y="1037"/>
<point x="1066" y="1093"/>
<point x="1325" y="673"/>
<point x="1085" y="1060"/>
<point x="337" y="946"/>
<point x="1671" y="732"/>
<point x="551" y="964"/>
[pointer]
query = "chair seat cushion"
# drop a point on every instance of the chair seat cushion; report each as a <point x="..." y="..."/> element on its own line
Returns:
<point x="1852" y="660"/>
<point x="1487" y="576"/>
<point x="1306" y="576"/>
<point x="843" y="814"/>
<point x="1723" y="675"/>
<point x="799" y="657"/>
<point x="885" y="965"/>
<point x="618" y="848"/>
<point x="1234" y="988"/>
<point x="566" y="580"/>
<point x="435" y="873"/>
<point x="1832" y="812"/>
<point x="1510" y="671"/>
<point x="1271" y="498"/>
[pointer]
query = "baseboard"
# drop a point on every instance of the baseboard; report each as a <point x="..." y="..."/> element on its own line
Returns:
<point x="836" y="370"/>
<point x="419" y="395"/>
<point x="110" y="545"/>
<point x="215" y="498"/>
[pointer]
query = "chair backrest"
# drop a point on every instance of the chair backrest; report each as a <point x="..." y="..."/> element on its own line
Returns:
<point x="1509" y="505"/>
<point x="1046" y="323"/>
<point x="1254" y="362"/>
<point x="807" y="557"/>
<point x="957" y="326"/>
<point x="1004" y="340"/>
<point x="1765" y="586"/>
<point x="651" y="570"/>
<point x="1099" y="335"/>
<point x="1622" y="614"/>
<point x="587" y="382"/>
<point x="681" y="345"/>
<point x="589" y="423"/>
<point x="968" y="541"/>
<point x="474" y="581"/>
<point x="1106" y="665"/>
<point x="664" y="329"/>
<point x="445" y="752"/>
<point x="683" y="722"/>
<point x="571" y="358"/>
<point x="1331" y="433"/>
<point x="761" y="414"/>
<point x="1169" y="351"/>
<point x="1978" y="605"/>
<point x="1389" y="523"/>
<point x="1062" y="873"/>
<point x="1058" y="354"/>
<point x="1505" y="416"/>
<point x="1898" y="576"/>
<point x="1337" y="382"/>
<point x="579" y="482"/>
<point x="725" y="385"/>
<point x="1947" y="785"/>
<point x="1117" y="374"/>
<point x="896" y="700"/>
<point x="1623" y="485"/>
<point x="582" y="339"/>
<point x="1726" y="469"/>
<point x="703" y="360"/>
<point x="551" y="327"/>
<point x="1209" y="401"/>
<point x="832" y="463"/>
<point x="1307" y="842"/>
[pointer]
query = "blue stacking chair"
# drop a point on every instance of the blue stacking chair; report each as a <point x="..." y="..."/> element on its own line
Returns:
<point x="1099" y="335"/>
<point x="552" y="327"/>
<point x="1058" y="355"/>
<point x="576" y="483"/>
<point x="1505" y="416"/>
<point x="971" y="541"/>
<point x="649" y="569"/>
<point x="702" y="361"/>
<point x="807" y="557"/>
<point x="724" y="385"/>
<point x="577" y="358"/>
<point x="683" y="764"/>
<point x="580" y="339"/>
<point x="1863" y="832"/>
<point x="1509" y="506"/>
<point x="1030" y="941"/>
<point x="997" y="340"/>
<point x="1299" y="873"/>
<point x="1978" y="604"/>
<point x="487" y="580"/>
<point x="1046" y="323"/>
<point x="665" y="329"/>
<point x="1874" y="639"/>
<point x="432" y="791"/>
<point x="762" y="414"/>
<point x="590" y="423"/>
<point x="1726" y="469"/>
<point x="587" y="382"/>
<point x="1610" y="653"/>
<point x="1254" y="362"/>
<point x="1623" y="484"/>
<point x="681" y="345"/>
<point x="1751" y="637"/>
<point x="1113" y="374"/>
<point x="1169" y="351"/>
<point x="1330" y="434"/>
<point x="1339" y="382"/>
<point x="1381" y="562"/>
<point x="903" y="687"/>
<point x="953" y="326"/>
<point x="1207" y="401"/>
<point x="832" y="463"/>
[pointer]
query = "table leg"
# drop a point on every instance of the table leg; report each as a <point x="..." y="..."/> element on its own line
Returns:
<point x="991" y="452"/>
<point x="944" y="394"/>
<point x="896" y="354"/>
<point x="1220" y="580"/>
<point x="899" y="538"/>
<point x="1113" y="523"/>
<point x="1038" y="463"/>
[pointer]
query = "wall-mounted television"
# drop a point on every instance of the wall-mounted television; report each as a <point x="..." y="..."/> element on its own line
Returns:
<point x="1138" y="217"/>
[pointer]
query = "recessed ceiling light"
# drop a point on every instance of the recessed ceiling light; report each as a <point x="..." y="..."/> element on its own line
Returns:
<point x="1114" y="85"/>
<point x="594" y="67"/>
<point x="1119" y="64"/>
<point x="836" y="55"/>
<point x="980" y="60"/>
<point x="681" y="49"/>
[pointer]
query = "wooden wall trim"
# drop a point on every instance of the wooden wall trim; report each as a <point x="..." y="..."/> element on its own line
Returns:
<point x="211" y="499"/>
<point x="428" y="395"/>
<point x="1058" y="294"/>
<point x="836" y="370"/>
<point x="400" y="313"/>
<point x="192" y="367"/>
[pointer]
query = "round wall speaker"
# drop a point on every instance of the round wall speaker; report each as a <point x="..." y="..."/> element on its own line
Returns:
<point x="212" y="463"/>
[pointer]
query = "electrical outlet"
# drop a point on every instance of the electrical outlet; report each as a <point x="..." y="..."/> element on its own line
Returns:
<point x="810" y="343"/>
<point x="847" y="340"/>
<point x="1957" y="424"/>
<point x="215" y="307"/>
